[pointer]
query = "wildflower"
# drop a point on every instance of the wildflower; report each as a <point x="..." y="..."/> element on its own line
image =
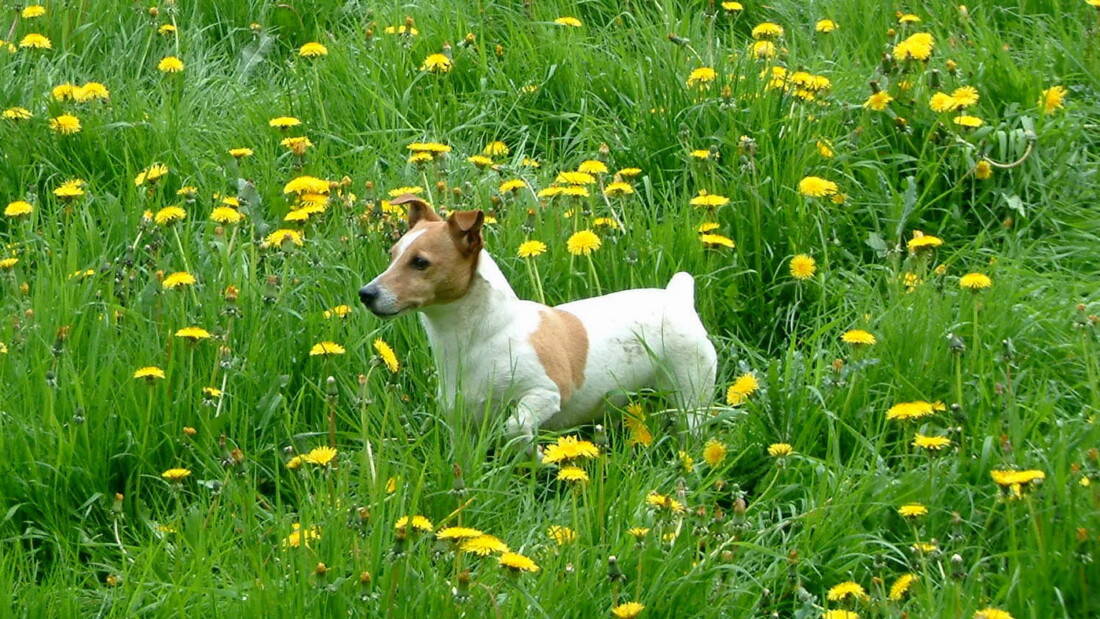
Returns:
<point x="176" y="475"/>
<point x="149" y="373"/>
<point x="193" y="333"/>
<point x="3" y="349"/>
<point x="846" y="590"/>
<point x="966" y="120"/>
<point x="458" y="534"/>
<point x="1015" y="481"/>
<point x="701" y="153"/>
<point x="436" y="63"/>
<point x="577" y="191"/>
<point x="716" y="240"/>
<point x="575" y="178"/>
<point x="212" y="392"/>
<point x="921" y="241"/>
<point x="733" y="7"/>
<point x="17" y="113"/>
<point x="35" y="41"/>
<point x="975" y="281"/>
<point x="572" y="22"/>
<point x="387" y="355"/>
<point x="170" y="64"/>
<point x="933" y="443"/>
<point x="878" y="101"/>
<point x="638" y="533"/>
<point x="480" y="161"/>
<point x="175" y="280"/>
<point x="803" y="267"/>
<point x="169" y="214"/>
<point x="714" y="452"/>
<point x="18" y="209"/>
<point x="572" y="474"/>
<point x="66" y="124"/>
<point x="825" y="25"/>
<point x="916" y="47"/>
<point x="312" y="50"/>
<point x="321" y="456"/>
<point x="405" y="30"/>
<point x="709" y="200"/>
<point x="510" y="186"/>
<point x="628" y="172"/>
<point x="618" y="188"/>
<point x="965" y="96"/>
<point x="816" y="187"/>
<point x="992" y="613"/>
<point x="824" y="149"/>
<point x="226" y="215"/>
<point x="301" y="537"/>
<point x="284" y="122"/>
<point x="779" y="450"/>
<point x="901" y="586"/>
<point x="911" y="410"/>
<point x="151" y="174"/>
<point x="324" y="349"/>
<point x="764" y="49"/>
<point x="839" y="614"/>
<point x="942" y="102"/>
<point x="531" y="248"/>
<point x="562" y="535"/>
<point x="912" y="510"/>
<point x="569" y="448"/>
<point x="1052" y="99"/>
<point x="583" y="243"/>
<point x="661" y="501"/>
<point x="767" y="30"/>
<point x="635" y="422"/>
<point x="517" y="562"/>
<point x="858" y="337"/>
<point x="707" y="226"/>
<point x="419" y="523"/>
<point x="8" y="263"/>
<point x="630" y="610"/>
<point x="741" y="389"/>
<point x="306" y="184"/>
<point x="686" y="461"/>
<point x="166" y="29"/>
<point x="983" y="170"/>
<point x="701" y="77"/>
<point x="483" y="545"/>
<point x="297" y="145"/>
<point x="33" y="10"/>
<point x="283" y="238"/>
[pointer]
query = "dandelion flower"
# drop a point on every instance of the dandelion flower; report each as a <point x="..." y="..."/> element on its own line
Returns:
<point x="921" y="241"/>
<point x="149" y="373"/>
<point x="992" y="613"/>
<point x="638" y="533"/>
<point x="825" y="26"/>
<point x="312" y="50"/>
<point x="33" y="10"/>
<point x="8" y="264"/>
<point x="572" y="474"/>
<point x="975" y="281"/>
<point x="816" y="187"/>
<point x="176" y="475"/>
<point x="301" y="537"/>
<point x="561" y="535"/>
<point x="1052" y="99"/>
<point x="733" y="7"/>
<point x="912" y="510"/>
<point x="306" y="184"/>
<point x="575" y="178"/>
<point x="517" y="562"/>
<point x="911" y="410"/>
<point x="629" y="610"/>
<point x="901" y="586"/>
<point x="846" y="590"/>
<point x="618" y="188"/>
<point x="741" y="389"/>
<point x="18" y="208"/>
<point x="151" y="174"/>
<point x="764" y="49"/>
<point x="878" y="101"/>
<point x="803" y="267"/>
<point x="569" y="448"/>
<point x="583" y="243"/>
<point x="458" y="534"/>
<point x="419" y="523"/>
<point x="283" y="238"/>
<point x="193" y="333"/>
<point x="932" y="443"/>
<point x="779" y="450"/>
<point x="965" y="96"/>
<point x="510" y="186"/>
<point x="170" y="64"/>
<point x="635" y="422"/>
<point x="166" y="29"/>
<point x="571" y="22"/>
<point x="325" y="349"/>
<point x="483" y="545"/>
<point x="916" y="47"/>
<point x="480" y="161"/>
<point x="716" y="240"/>
<point x="321" y="456"/>
<point x="226" y="215"/>
<point x="709" y="200"/>
<point x="701" y="77"/>
<point x="212" y="392"/>
<point x="169" y="214"/>
<point x="983" y="170"/>
<point x="839" y="614"/>
<point x="495" y="149"/>
<point x="175" y="280"/>
<point x="35" y="41"/>
<point x="66" y="124"/>
<point x="284" y="122"/>
<point x="1016" y="481"/>
<point x="767" y="30"/>
<point x="965" y="120"/>
<point x="17" y="113"/>
<point x="437" y="63"/>
<point x="531" y="248"/>
<point x="714" y="452"/>
<point x="387" y="355"/>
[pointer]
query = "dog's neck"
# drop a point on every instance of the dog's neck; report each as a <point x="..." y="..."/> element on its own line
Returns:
<point x="455" y="328"/>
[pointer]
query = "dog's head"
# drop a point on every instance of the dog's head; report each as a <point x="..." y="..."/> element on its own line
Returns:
<point x="433" y="263"/>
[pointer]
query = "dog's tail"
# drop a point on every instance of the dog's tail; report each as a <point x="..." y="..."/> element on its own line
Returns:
<point x="682" y="288"/>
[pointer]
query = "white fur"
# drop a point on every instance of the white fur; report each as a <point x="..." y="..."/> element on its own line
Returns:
<point x="645" y="338"/>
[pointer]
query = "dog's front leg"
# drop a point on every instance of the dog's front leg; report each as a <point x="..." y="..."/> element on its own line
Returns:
<point x="532" y="410"/>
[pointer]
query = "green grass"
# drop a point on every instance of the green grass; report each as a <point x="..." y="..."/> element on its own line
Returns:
<point x="1016" y="365"/>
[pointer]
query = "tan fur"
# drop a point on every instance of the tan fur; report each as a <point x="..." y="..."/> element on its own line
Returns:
<point x="561" y="344"/>
<point x="447" y="279"/>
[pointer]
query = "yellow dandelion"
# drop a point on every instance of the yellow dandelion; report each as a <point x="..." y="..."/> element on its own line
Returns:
<point x="178" y="279"/>
<point x="19" y="208"/>
<point x="816" y="187"/>
<point x="387" y="355"/>
<point x="767" y="30"/>
<point x="583" y="243"/>
<point x="169" y="215"/>
<point x="284" y="122"/>
<point x="457" y="534"/>
<point x="312" y="50"/>
<point x="911" y="410"/>
<point x="878" y="101"/>
<point x="992" y="613"/>
<point x="149" y="373"/>
<point x="714" y="452"/>
<point x="921" y="241"/>
<point x="618" y="188"/>
<point x="975" y="281"/>
<point x="176" y="475"/>
<point x="572" y="474"/>
<point x="741" y="389"/>
<point x="571" y="22"/>
<point x="321" y="456"/>
<point x="562" y="535"/>
<point x="779" y="450"/>
<point x="932" y="443"/>
<point x="35" y="41"/>
<point x="709" y="200"/>
<point x="170" y="64"/>
<point x="629" y="610"/>
<point x="912" y="510"/>
<point x="33" y="10"/>
<point x="326" y="349"/>
<point x="193" y="333"/>
<point x="17" y="113"/>
<point x="846" y="590"/>
<point x="701" y="77"/>
<point x="437" y="63"/>
<point x="901" y="586"/>
<point x="569" y="448"/>
<point x="858" y="337"/>
<point x="1052" y="99"/>
<point x="226" y="215"/>
<point x="510" y="186"/>
<point x="825" y="26"/>
<point x="65" y="124"/>
<point x="483" y="545"/>
<point x="575" y="178"/>
<point x="803" y="267"/>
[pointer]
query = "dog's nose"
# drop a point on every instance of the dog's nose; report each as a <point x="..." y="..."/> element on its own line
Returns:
<point x="367" y="294"/>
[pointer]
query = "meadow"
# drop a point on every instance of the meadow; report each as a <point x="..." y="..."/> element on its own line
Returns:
<point x="889" y="209"/>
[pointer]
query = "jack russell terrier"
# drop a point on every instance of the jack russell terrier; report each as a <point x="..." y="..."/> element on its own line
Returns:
<point x="560" y="365"/>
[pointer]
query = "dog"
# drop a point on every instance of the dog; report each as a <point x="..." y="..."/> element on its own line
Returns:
<point x="561" y="366"/>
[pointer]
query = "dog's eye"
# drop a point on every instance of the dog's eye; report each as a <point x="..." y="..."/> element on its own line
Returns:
<point x="419" y="263"/>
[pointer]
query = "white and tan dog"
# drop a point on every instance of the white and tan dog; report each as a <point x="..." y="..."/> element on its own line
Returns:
<point x="560" y="365"/>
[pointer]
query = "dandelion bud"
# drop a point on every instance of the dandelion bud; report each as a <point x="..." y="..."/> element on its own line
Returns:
<point x="891" y="32"/>
<point x="499" y="50"/>
<point x="409" y="22"/>
<point x="368" y="185"/>
<point x="613" y="572"/>
<point x="934" y="79"/>
<point x="838" y="365"/>
<point x="1093" y="454"/>
<point x="25" y="288"/>
<point x="111" y="580"/>
<point x="739" y="506"/>
<point x="952" y="66"/>
<point x="470" y="38"/>
<point x="459" y="486"/>
<point x="321" y="569"/>
<point x="330" y="387"/>
<point x="956" y="344"/>
<point x="189" y="431"/>
<point x="440" y="186"/>
<point x="678" y="40"/>
<point x="365" y="578"/>
<point x="727" y="556"/>
<point x="462" y="584"/>
<point x="964" y="13"/>
<point x="231" y="292"/>
<point x="1082" y="535"/>
<point x="116" y="507"/>
<point x="153" y="11"/>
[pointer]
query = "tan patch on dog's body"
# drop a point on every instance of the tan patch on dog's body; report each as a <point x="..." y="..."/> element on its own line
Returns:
<point x="561" y="343"/>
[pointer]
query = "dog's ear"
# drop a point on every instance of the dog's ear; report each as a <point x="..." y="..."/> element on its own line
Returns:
<point x="465" y="227"/>
<point x="419" y="210"/>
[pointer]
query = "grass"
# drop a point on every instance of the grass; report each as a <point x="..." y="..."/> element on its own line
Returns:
<point x="90" y="527"/>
